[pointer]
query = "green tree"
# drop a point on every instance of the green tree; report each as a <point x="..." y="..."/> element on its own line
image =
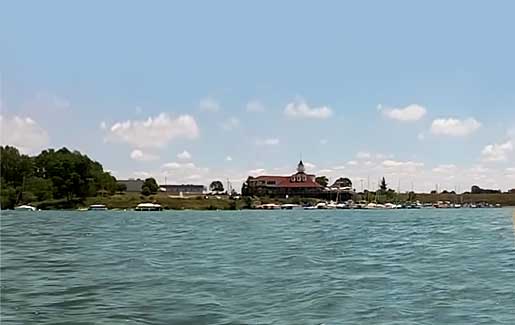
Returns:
<point x="216" y="186"/>
<point x="121" y="187"/>
<point x="145" y="190"/>
<point x="383" y="186"/>
<point x="40" y="187"/>
<point x="8" y="196"/>
<point x="151" y="184"/>
<point x="322" y="180"/>
<point x="14" y="167"/>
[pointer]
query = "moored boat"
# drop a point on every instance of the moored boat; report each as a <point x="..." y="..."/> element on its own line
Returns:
<point x="25" y="208"/>
<point x="148" y="207"/>
<point x="97" y="207"/>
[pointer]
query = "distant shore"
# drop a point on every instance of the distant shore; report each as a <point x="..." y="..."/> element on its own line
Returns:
<point x="129" y="201"/>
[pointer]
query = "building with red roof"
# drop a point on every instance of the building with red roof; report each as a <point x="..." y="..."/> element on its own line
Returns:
<point x="298" y="184"/>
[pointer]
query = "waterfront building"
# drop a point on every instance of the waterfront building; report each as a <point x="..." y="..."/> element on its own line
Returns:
<point x="298" y="184"/>
<point x="187" y="189"/>
<point x="133" y="185"/>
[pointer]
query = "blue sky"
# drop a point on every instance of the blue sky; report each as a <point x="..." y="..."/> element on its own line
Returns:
<point x="423" y="93"/>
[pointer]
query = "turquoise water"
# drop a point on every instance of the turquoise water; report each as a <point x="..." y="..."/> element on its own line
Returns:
<point x="259" y="267"/>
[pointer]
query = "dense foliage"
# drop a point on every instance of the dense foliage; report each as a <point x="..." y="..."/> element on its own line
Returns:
<point x="149" y="186"/>
<point x="53" y="174"/>
<point x="216" y="186"/>
<point x="322" y="180"/>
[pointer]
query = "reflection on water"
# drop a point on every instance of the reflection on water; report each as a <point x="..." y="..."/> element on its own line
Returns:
<point x="433" y="266"/>
<point x="514" y="224"/>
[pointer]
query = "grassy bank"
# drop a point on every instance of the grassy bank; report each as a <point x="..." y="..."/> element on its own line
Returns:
<point x="130" y="200"/>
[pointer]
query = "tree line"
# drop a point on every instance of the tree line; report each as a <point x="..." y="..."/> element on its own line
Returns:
<point x="53" y="174"/>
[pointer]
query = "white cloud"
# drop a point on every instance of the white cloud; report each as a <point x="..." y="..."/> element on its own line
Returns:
<point x="394" y="163"/>
<point x="325" y="171"/>
<point x="228" y="158"/>
<point x="401" y="164"/>
<point x="267" y="142"/>
<point x="209" y="105"/>
<point x="139" y="155"/>
<point x="323" y="141"/>
<point x="154" y="132"/>
<point x="23" y="133"/>
<point x="421" y="136"/>
<point x="363" y="155"/>
<point x="103" y="125"/>
<point x="256" y="172"/>
<point x="352" y="162"/>
<point x="230" y="124"/>
<point x="454" y="127"/>
<point x="497" y="152"/>
<point x="338" y="167"/>
<point x="141" y="174"/>
<point x="255" y="106"/>
<point x="185" y="155"/>
<point x="176" y="165"/>
<point x="309" y="165"/>
<point x="409" y="113"/>
<point x="300" y="109"/>
<point x="445" y="168"/>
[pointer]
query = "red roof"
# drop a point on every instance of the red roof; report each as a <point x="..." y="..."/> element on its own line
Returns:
<point x="284" y="181"/>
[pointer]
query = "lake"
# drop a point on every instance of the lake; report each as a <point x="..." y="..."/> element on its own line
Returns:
<point x="429" y="266"/>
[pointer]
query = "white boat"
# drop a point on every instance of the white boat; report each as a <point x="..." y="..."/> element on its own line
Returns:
<point x="288" y="206"/>
<point x="25" y="208"/>
<point x="332" y="205"/>
<point x="374" y="206"/>
<point x="97" y="207"/>
<point x="321" y="205"/>
<point x="269" y="206"/>
<point x="148" y="207"/>
<point x="310" y="207"/>
<point x="342" y="206"/>
<point x="390" y="206"/>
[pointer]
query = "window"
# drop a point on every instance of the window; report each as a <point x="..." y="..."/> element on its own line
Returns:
<point x="298" y="178"/>
<point x="270" y="182"/>
<point x="304" y="178"/>
<point x="293" y="179"/>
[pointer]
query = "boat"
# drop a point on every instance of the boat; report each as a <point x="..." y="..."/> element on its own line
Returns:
<point x="288" y="206"/>
<point x="310" y="207"/>
<point x="321" y="205"/>
<point x="390" y="206"/>
<point x="342" y="206"/>
<point x="25" y="208"/>
<point x="332" y="205"/>
<point x="148" y="207"/>
<point x="97" y="207"/>
<point x="269" y="206"/>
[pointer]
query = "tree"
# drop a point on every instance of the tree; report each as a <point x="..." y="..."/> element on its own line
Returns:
<point x="40" y="187"/>
<point x="121" y="187"/>
<point x="322" y="180"/>
<point x="145" y="190"/>
<point x="383" y="186"/>
<point x="51" y="174"/>
<point x="216" y="186"/>
<point x="151" y="185"/>
<point x="343" y="182"/>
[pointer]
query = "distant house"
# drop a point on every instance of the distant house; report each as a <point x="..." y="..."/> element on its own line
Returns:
<point x="298" y="184"/>
<point x="183" y="188"/>
<point x="133" y="185"/>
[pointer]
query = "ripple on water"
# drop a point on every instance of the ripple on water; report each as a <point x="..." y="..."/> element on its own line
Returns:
<point x="259" y="267"/>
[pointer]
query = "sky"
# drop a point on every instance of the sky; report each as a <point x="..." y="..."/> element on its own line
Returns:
<point x="422" y="93"/>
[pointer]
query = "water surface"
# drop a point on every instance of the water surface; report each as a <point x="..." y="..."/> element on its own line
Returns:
<point x="259" y="267"/>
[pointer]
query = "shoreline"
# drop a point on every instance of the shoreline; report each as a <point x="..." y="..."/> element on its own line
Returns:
<point x="129" y="201"/>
